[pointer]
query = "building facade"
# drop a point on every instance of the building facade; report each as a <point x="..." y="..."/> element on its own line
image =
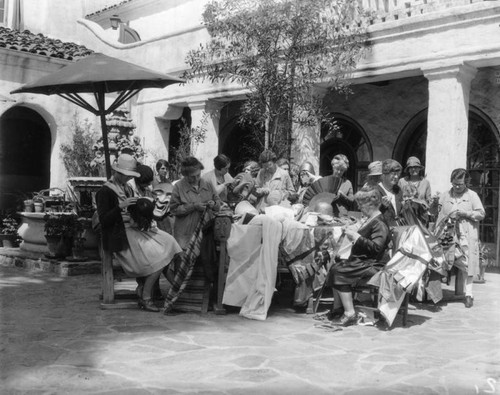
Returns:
<point x="428" y="86"/>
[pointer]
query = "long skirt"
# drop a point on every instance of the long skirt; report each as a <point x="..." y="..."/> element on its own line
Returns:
<point x="149" y="251"/>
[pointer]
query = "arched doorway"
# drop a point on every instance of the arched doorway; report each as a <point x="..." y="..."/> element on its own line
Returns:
<point x="235" y="140"/>
<point x="349" y="139"/>
<point x="483" y="160"/>
<point x="25" y="145"/>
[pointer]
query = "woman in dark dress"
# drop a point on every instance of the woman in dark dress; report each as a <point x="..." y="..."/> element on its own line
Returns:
<point x="369" y="244"/>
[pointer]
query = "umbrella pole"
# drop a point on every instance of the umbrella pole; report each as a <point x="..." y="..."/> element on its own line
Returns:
<point x="102" y="113"/>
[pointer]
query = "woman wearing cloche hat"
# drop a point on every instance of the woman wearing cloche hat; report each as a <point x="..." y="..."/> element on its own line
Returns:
<point x="414" y="176"/>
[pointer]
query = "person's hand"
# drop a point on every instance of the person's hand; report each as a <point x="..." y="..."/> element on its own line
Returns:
<point x="199" y="206"/>
<point x="263" y="191"/>
<point x="462" y="214"/>
<point x="210" y="204"/>
<point x="386" y="201"/>
<point x="127" y="202"/>
<point x="350" y="234"/>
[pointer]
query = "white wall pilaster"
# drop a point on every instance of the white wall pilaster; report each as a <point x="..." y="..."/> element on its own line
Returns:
<point x="206" y="115"/>
<point x="447" y="122"/>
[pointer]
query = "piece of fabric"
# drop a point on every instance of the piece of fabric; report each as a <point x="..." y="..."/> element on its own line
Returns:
<point x="251" y="279"/>
<point x="111" y="217"/>
<point x="184" y="263"/>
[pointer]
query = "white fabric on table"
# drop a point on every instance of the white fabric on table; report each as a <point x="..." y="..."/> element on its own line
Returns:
<point x="251" y="277"/>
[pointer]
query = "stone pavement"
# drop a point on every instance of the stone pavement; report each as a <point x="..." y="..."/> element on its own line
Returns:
<point x="56" y="340"/>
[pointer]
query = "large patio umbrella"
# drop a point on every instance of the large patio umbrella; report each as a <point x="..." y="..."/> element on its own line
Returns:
<point x="99" y="74"/>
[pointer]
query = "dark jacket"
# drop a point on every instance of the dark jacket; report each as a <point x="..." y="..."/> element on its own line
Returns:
<point x="113" y="234"/>
<point x="391" y="216"/>
<point x="373" y="241"/>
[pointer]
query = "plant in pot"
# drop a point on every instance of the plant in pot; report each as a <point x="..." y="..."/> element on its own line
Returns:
<point x="79" y="241"/>
<point x="60" y="231"/>
<point x="8" y="232"/>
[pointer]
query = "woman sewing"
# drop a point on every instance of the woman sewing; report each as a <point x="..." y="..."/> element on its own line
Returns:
<point x="369" y="244"/>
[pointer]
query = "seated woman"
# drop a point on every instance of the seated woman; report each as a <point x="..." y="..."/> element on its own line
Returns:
<point x="271" y="178"/>
<point x="150" y="251"/>
<point x="369" y="243"/>
<point x="113" y="200"/>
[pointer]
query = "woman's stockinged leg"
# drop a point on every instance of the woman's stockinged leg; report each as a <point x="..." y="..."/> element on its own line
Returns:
<point x="347" y="302"/>
<point x="146" y="302"/>
<point x="149" y="283"/>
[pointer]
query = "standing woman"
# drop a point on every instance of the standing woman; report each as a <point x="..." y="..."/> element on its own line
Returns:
<point x="340" y="164"/>
<point x="162" y="172"/>
<point x="190" y="196"/>
<point x="414" y="176"/>
<point x="464" y="207"/>
<point x="219" y="177"/>
<point x="391" y="193"/>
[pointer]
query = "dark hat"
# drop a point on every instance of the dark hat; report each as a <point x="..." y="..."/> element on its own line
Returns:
<point x="413" y="161"/>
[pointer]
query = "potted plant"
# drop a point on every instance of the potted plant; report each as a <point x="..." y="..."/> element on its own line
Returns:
<point x="8" y="232"/>
<point x="60" y="231"/>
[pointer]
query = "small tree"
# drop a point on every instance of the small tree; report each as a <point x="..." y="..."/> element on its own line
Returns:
<point x="279" y="49"/>
<point x="78" y="154"/>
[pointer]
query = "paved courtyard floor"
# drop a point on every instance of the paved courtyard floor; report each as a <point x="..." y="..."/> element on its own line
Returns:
<point x="56" y="340"/>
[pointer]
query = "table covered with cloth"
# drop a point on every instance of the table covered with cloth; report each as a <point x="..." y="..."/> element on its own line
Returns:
<point x="254" y="251"/>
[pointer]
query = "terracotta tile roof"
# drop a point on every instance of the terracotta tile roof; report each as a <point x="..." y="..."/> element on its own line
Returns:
<point x="39" y="44"/>
<point x="108" y="8"/>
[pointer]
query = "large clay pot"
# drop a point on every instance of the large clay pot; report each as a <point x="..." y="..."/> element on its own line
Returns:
<point x="59" y="247"/>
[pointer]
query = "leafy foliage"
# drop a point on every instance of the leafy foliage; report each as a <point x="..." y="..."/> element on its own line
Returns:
<point x="9" y="226"/>
<point x="189" y="139"/>
<point x="66" y="225"/>
<point x="278" y="50"/>
<point x="78" y="154"/>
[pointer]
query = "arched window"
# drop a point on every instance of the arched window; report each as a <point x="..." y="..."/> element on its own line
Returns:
<point x="483" y="160"/>
<point x="347" y="138"/>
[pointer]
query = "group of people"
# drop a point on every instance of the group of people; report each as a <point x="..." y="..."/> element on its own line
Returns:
<point x="148" y="223"/>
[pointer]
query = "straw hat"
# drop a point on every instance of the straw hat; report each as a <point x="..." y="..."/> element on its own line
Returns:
<point x="127" y="165"/>
<point x="375" y="168"/>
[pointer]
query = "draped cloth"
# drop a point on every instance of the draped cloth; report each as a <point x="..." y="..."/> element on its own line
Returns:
<point x="251" y="278"/>
<point x="184" y="264"/>
<point x="402" y="273"/>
